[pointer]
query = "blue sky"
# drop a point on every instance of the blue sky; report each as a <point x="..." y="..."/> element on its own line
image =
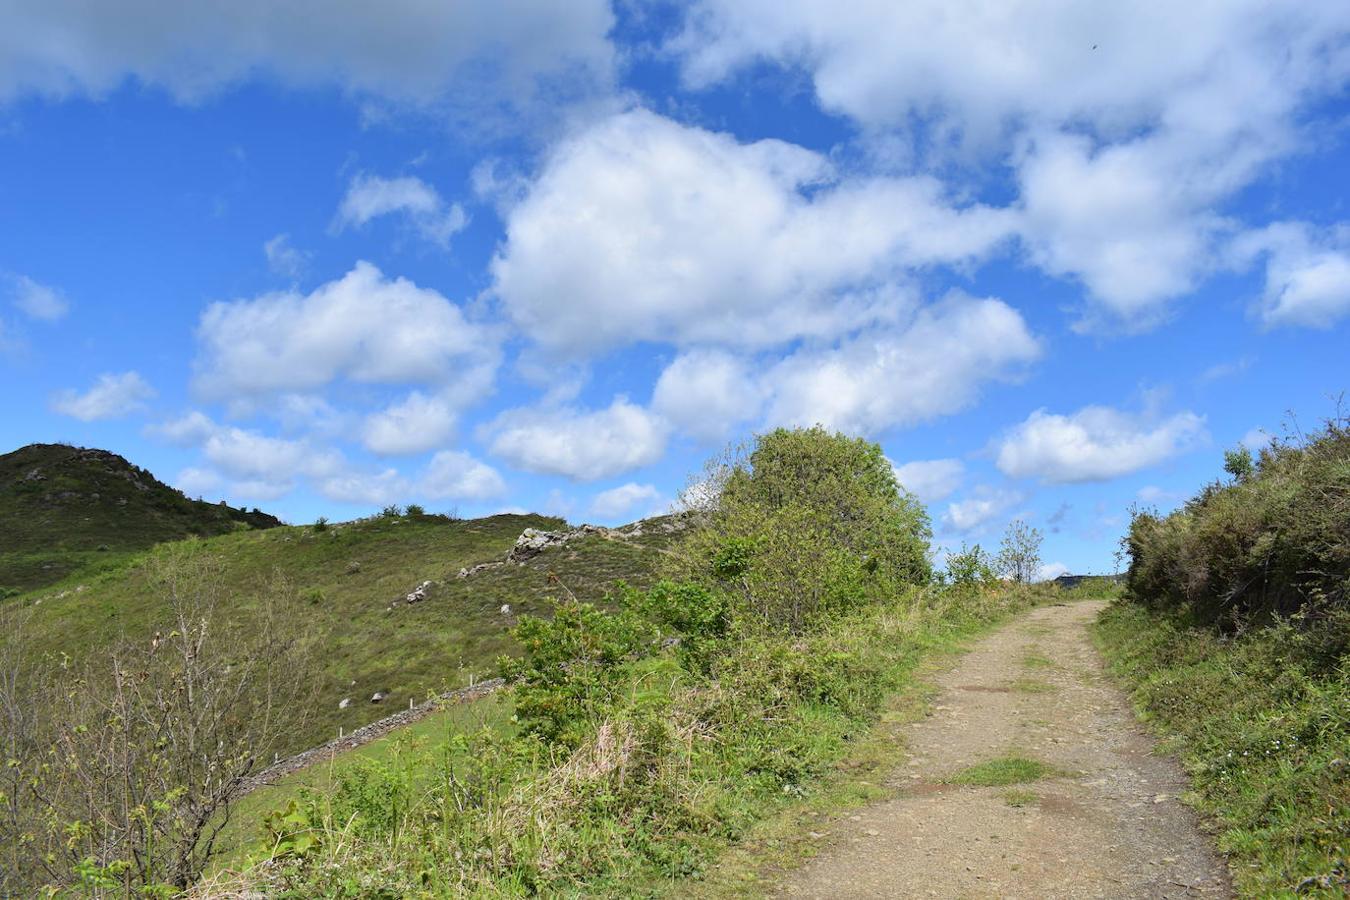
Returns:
<point x="552" y="256"/>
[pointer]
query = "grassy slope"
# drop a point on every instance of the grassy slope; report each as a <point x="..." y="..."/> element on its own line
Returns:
<point x="244" y="833"/>
<point x="409" y="651"/>
<point x="64" y="509"/>
<point x="1266" y="742"/>
<point x="766" y="831"/>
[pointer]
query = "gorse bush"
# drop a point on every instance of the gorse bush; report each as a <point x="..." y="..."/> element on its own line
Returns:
<point x="1273" y="541"/>
<point x="570" y="666"/>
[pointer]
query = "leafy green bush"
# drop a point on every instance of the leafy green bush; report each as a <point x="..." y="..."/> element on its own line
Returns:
<point x="699" y="618"/>
<point x="970" y="566"/>
<point x="1275" y="541"/>
<point x="570" y="666"/>
<point x="805" y="526"/>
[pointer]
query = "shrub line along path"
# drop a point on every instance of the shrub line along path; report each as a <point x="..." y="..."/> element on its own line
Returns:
<point x="1104" y="822"/>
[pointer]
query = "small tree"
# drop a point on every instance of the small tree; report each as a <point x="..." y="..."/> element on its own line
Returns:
<point x="1019" y="557"/>
<point x="1238" y="462"/>
<point x="972" y="565"/>
<point x="131" y="771"/>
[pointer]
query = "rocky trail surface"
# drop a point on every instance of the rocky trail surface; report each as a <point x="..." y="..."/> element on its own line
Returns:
<point x="1101" y="820"/>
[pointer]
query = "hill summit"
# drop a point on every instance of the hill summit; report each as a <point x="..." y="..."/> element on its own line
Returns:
<point x="62" y="507"/>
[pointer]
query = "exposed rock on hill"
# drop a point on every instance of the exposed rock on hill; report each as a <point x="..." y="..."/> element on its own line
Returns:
<point x="533" y="541"/>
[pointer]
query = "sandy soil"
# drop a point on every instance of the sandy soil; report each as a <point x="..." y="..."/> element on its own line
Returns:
<point x="1108" y="824"/>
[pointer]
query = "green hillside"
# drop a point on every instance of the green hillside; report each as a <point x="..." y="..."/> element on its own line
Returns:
<point x="65" y="508"/>
<point x="352" y="579"/>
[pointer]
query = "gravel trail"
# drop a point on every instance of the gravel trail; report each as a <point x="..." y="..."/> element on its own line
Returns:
<point x="1105" y="823"/>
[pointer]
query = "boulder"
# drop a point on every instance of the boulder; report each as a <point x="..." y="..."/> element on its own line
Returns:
<point x="344" y="702"/>
<point x="419" y="593"/>
<point x="532" y="542"/>
<point x="378" y="697"/>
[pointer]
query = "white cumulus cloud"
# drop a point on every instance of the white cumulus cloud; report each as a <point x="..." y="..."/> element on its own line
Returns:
<point x="640" y="228"/>
<point x="707" y="393"/>
<point x="1125" y="125"/>
<point x="1307" y="273"/>
<point x="1096" y="443"/>
<point x="363" y="326"/>
<point x="899" y="376"/>
<point x="456" y="475"/>
<point x="619" y="501"/>
<point x="581" y="445"/>
<point x="931" y="479"/>
<point x="416" y="424"/>
<point x="979" y="509"/>
<point x="370" y="196"/>
<point x="111" y="397"/>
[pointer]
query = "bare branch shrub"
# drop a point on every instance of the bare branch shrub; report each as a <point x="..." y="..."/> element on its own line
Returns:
<point x="121" y="775"/>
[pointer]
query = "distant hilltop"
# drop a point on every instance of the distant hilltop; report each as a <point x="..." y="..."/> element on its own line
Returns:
<point x="60" y="505"/>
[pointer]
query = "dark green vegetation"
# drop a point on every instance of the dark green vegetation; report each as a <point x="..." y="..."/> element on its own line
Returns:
<point x="1273" y="540"/>
<point x="1235" y="638"/>
<point x="65" y="508"/>
<point x="659" y="729"/>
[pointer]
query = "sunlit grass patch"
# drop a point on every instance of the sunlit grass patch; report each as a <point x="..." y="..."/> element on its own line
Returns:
<point x="1004" y="770"/>
<point x="1019" y="797"/>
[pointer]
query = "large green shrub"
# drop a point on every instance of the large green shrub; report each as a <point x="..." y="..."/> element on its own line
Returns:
<point x="805" y="525"/>
<point x="1274" y="541"/>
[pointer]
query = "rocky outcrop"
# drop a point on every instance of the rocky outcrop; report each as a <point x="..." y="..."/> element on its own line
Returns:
<point x="533" y="541"/>
<point x="417" y="595"/>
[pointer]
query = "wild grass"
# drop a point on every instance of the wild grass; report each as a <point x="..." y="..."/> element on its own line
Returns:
<point x="681" y="771"/>
<point x="1018" y="798"/>
<point x="1032" y="686"/>
<point x="1262" y="725"/>
<point x="347" y="575"/>
<point x="1003" y="771"/>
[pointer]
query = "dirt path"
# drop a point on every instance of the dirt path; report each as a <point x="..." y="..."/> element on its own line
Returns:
<point x="1106" y="824"/>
